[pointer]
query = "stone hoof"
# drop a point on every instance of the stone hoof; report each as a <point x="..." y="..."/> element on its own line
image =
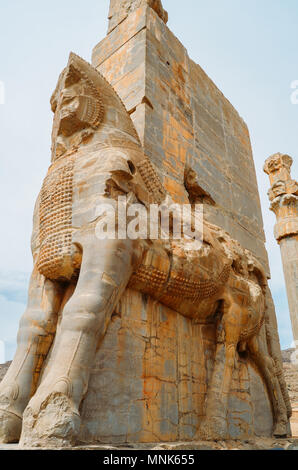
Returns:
<point x="56" y="423"/>
<point x="280" y="430"/>
<point x="211" y="429"/>
<point x="10" y="427"/>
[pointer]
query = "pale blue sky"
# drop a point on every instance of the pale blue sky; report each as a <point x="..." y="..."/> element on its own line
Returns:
<point x="249" y="49"/>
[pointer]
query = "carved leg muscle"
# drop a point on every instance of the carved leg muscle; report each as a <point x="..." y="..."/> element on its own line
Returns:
<point x="214" y="425"/>
<point x="37" y="329"/>
<point x="267" y="367"/>
<point x="52" y="416"/>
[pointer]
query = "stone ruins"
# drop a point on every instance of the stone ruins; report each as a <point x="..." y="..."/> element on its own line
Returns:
<point x="283" y="196"/>
<point x="145" y="340"/>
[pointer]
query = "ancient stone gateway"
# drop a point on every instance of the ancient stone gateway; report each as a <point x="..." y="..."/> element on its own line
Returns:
<point x="137" y="339"/>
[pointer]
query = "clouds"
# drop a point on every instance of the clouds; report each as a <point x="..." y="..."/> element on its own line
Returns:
<point x="2" y="352"/>
<point x="13" y="299"/>
<point x="14" y="286"/>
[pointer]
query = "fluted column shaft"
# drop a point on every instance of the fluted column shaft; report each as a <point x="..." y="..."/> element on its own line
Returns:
<point x="284" y="203"/>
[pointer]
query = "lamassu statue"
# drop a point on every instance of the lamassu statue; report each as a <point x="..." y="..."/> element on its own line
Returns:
<point x="79" y="278"/>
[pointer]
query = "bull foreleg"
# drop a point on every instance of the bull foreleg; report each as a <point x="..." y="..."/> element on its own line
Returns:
<point x="214" y="425"/>
<point x="35" y="336"/>
<point x="52" y="416"/>
<point x="267" y="368"/>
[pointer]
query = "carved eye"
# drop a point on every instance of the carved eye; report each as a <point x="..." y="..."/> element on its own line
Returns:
<point x="131" y="167"/>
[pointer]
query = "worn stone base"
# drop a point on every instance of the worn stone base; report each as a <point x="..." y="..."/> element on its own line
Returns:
<point x="294" y="421"/>
<point x="253" y="444"/>
<point x="151" y="375"/>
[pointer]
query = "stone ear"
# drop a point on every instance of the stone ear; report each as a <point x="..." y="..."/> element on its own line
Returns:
<point x="72" y="76"/>
<point x="54" y="97"/>
<point x="90" y="110"/>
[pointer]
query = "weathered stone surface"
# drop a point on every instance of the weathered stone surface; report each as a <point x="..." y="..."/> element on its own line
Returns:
<point x="291" y="377"/>
<point x="119" y="11"/>
<point x="136" y="339"/>
<point x="250" y="444"/>
<point x="94" y="410"/>
<point x="3" y="369"/>
<point x="283" y="196"/>
<point x="151" y="377"/>
<point x="184" y="119"/>
<point x="291" y="373"/>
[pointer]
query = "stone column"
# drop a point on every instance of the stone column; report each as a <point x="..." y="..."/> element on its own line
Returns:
<point x="283" y="196"/>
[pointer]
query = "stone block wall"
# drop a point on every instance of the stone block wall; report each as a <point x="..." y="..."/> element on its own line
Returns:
<point x="152" y="371"/>
<point x="184" y="119"/>
<point x="151" y="375"/>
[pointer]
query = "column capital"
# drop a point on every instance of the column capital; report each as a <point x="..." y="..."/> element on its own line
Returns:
<point x="278" y="167"/>
<point x="283" y="195"/>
